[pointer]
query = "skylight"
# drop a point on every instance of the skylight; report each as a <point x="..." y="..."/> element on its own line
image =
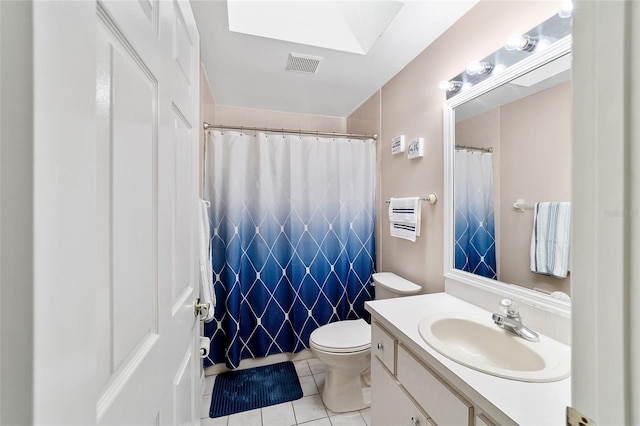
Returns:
<point x="348" y="26"/>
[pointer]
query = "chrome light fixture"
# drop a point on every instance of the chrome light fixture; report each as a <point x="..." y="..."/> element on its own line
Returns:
<point x="523" y="42"/>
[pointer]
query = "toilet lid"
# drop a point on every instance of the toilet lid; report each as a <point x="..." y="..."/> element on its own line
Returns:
<point x="342" y="336"/>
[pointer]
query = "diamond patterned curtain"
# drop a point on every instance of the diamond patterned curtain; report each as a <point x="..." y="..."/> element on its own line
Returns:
<point x="292" y="223"/>
<point x="475" y="245"/>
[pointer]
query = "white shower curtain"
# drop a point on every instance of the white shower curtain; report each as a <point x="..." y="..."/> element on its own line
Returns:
<point x="475" y="246"/>
<point x="292" y="238"/>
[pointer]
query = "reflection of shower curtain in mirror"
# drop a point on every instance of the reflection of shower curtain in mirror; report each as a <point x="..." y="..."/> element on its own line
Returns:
<point x="475" y="246"/>
<point x="292" y="222"/>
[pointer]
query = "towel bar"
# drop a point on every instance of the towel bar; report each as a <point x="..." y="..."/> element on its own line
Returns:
<point x="521" y="206"/>
<point x="431" y="198"/>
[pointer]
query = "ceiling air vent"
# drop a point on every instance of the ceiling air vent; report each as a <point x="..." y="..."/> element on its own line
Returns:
<point x="303" y="63"/>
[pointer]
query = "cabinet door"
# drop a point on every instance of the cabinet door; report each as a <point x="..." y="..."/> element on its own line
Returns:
<point x="383" y="346"/>
<point x="441" y="402"/>
<point x="482" y="420"/>
<point x="390" y="405"/>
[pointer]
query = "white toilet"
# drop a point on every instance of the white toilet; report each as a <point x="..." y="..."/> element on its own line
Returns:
<point x="345" y="347"/>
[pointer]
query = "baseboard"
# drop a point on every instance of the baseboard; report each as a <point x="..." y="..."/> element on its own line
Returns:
<point x="259" y="362"/>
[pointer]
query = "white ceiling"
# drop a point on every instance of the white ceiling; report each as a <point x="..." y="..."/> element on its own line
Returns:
<point x="248" y="70"/>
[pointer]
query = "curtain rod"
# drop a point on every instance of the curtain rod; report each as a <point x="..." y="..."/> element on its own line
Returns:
<point x="475" y="148"/>
<point x="207" y="126"/>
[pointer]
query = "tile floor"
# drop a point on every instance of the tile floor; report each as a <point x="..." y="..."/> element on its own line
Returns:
<point x="308" y="410"/>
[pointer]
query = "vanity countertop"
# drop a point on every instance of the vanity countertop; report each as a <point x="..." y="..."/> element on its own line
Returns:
<point x="524" y="403"/>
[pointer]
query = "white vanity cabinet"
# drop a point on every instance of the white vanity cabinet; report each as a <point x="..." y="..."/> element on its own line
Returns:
<point x="405" y="391"/>
<point x="413" y="384"/>
<point x="392" y="405"/>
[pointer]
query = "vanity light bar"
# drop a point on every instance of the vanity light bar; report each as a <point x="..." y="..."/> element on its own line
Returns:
<point x="540" y="38"/>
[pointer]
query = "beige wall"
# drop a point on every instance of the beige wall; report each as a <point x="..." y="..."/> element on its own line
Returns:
<point x="235" y="116"/>
<point x="536" y="166"/>
<point x="411" y="105"/>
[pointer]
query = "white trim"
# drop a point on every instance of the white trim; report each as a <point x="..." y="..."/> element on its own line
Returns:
<point x="522" y="294"/>
<point x="604" y="174"/>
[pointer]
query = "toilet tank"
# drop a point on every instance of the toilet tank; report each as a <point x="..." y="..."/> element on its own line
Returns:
<point x="389" y="285"/>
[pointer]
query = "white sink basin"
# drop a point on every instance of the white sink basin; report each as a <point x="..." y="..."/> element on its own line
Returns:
<point x="476" y="342"/>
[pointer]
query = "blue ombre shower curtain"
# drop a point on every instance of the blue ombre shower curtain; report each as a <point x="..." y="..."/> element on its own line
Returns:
<point x="292" y="221"/>
<point x="475" y="245"/>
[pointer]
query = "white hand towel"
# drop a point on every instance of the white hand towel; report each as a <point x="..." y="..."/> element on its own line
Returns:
<point x="405" y="217"/>
<point x="403" y="230"/>
<point x="207" y="293"/>
<point x="550" y="239"/>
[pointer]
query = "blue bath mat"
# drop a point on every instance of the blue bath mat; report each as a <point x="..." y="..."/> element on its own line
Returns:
<point x="244" y="390"/>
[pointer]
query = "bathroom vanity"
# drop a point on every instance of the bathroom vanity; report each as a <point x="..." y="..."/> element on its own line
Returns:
<point x="413" y="384"/>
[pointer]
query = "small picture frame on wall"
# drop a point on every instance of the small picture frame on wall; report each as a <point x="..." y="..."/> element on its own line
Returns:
<point x="415" y="149"/>
<point x="397" y="144"/>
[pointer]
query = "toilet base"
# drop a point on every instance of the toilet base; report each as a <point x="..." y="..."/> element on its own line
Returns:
<point x="343" y="392"/>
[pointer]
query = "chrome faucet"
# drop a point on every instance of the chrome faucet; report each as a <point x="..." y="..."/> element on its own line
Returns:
<point x="512" y="322"/>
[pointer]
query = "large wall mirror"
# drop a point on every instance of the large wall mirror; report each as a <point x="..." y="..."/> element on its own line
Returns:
<point x="507" y="147"/>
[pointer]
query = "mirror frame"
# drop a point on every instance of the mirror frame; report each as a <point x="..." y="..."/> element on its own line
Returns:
<point x="522" y="294"/>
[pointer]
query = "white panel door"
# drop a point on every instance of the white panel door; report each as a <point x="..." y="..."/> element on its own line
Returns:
<point x="147" y="141"/>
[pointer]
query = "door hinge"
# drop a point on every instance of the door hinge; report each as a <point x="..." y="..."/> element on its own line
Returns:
<point x="576" y="418"/>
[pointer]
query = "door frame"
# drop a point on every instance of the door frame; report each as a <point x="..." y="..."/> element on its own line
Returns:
<point x="606" y="214"/>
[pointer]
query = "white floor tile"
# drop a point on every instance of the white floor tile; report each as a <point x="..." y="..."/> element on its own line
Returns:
<point x="207" y="387"/>
<point x="348" y="419"/>
<point x="309" y="408"/>
<point x="302" y="368"/>
<point x="246" y="418"/>
<point x="205" y="405"/>
<point x="307" y="411"/>
<point x="278" y="415"/>
<point x="320" y="378"/>
<point x="319" y="422"/>
<point x="218" y="421"/>
<point x="366" y="415"/>
<point x="317" y="366"/>
<point x="308" y="385"/>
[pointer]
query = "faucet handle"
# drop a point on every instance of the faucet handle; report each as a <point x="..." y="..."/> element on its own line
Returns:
<point x="509" y="308"/>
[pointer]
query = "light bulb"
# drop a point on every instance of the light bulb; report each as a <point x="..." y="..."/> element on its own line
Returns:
<point x="543" y="43"/>
<point x="520" y="42"/>
<point x="499" y="69"/>
<point x="443" y="85"/>
<point x="477" y="67"/>
<point x="513" y="42"/>
<point x="566" y="9"/>
<point x="449" y="86"/>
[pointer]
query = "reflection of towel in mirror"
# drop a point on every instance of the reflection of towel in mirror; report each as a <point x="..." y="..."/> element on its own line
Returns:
<point x="404" y="215"/>
<point x="550" y="239"/>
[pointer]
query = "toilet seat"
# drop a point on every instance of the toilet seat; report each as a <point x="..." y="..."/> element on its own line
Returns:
<point x="345" y="336"/>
